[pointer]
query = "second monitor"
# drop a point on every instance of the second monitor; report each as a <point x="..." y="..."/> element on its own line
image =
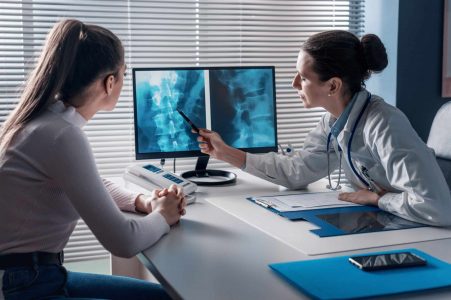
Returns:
<point x="237" y="102"/>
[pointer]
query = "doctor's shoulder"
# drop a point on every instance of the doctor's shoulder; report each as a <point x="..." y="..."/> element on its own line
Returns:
<point x="384" y="122"/>
<point x="388" y="131"/>
<point x="383" y="117"/>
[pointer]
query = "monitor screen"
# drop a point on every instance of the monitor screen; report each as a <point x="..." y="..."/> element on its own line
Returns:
<point x="237" y="102"/>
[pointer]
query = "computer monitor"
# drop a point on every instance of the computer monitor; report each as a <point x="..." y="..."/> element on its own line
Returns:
<point x="237" y="102"/>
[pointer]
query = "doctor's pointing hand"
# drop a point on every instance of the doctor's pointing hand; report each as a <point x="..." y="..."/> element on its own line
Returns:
<point x="211" y="143"/>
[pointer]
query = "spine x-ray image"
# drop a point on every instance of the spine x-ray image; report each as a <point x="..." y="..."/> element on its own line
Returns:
<point x="242" y="103"/>
<point x="158" y="94"/>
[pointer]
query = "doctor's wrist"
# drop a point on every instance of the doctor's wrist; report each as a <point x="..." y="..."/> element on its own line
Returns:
<point x="233" y="156"/>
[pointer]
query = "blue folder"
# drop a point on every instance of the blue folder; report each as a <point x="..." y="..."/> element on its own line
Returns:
<point x="337" y="278"/>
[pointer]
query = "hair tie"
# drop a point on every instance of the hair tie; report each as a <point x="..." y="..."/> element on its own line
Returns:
<point x="83" y="33"/>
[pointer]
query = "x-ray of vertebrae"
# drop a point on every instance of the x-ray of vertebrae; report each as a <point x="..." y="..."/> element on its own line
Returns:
<point x="158" y="95"/>
<point x="243" y="106"/>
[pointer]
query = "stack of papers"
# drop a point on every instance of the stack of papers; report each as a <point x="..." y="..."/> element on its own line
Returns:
<point x="303" y="201"/>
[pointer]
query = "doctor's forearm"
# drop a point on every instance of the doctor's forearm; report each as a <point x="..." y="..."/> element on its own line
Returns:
<point x="428" y="211"/>
<point x="233" y="156"/>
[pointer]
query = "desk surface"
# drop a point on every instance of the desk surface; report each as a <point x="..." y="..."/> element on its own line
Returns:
<point x="212" y="254"/>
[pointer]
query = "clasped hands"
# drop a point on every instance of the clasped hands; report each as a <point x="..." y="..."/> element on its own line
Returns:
<point x="169" y="202"/>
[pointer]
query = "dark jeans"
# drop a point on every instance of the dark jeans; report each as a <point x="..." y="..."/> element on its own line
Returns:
<point x="54" y="282"/>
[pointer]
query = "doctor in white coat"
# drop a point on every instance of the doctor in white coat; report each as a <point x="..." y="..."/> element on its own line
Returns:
<point x="372" y="142"/>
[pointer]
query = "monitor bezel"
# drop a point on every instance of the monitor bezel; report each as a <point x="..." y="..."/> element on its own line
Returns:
<point x="197" y="153"/>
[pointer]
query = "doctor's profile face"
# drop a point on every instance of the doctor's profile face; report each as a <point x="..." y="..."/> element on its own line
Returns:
<point x="312" y="91"/>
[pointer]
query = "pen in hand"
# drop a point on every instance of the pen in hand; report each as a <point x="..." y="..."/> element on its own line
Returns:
<point x="194" y="127"/>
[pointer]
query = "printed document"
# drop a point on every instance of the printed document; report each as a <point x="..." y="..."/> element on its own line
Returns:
<point x="303" y="201"/>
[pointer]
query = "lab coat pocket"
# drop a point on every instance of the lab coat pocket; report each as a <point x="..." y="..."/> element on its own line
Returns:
<point x="377" y="175"/>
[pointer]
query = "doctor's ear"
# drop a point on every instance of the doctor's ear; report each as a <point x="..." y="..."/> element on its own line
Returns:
<point x="109" y="84"/>
<point x="335" y="86"/>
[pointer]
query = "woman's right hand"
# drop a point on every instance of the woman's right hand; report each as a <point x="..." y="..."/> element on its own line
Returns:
<point x="170" y="203"/>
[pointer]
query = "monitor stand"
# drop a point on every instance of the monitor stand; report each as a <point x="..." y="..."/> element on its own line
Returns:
<point x="203" y="176"/>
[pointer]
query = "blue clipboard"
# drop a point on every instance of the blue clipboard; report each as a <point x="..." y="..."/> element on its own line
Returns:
<point x="345" y="220"/>
<point x="337" y="278"/>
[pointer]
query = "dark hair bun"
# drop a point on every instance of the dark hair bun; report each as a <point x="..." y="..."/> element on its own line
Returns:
<point x="374" y="53"/>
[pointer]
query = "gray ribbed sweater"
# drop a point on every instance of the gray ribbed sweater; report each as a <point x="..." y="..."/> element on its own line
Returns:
<point x="48" y="179"/>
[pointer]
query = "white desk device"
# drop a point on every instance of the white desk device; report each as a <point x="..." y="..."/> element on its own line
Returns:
<point x="151" y="177"/>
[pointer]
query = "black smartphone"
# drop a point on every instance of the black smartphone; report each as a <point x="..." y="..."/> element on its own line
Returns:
<point x="194" y="127"/>
<point x="387" y="261"/>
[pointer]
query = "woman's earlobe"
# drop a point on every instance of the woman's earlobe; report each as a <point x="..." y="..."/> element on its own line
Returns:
<point x="109" y="83"/>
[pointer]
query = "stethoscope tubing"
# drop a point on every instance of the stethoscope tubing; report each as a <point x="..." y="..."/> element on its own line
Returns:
<point x="356" y="123"/>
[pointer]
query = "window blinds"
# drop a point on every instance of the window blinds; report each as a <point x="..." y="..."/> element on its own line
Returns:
<point x="173" y="33"/>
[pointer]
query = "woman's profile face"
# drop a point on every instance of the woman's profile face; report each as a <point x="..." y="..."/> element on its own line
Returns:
<point x="312" y="91"/>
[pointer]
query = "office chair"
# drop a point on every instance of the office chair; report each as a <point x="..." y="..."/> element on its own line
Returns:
<point x="440" y="139"/>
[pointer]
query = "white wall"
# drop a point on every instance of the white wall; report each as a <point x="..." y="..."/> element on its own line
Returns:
<point x="381" y="18"/>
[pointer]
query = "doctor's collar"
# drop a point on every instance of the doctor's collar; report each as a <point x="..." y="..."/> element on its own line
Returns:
<point x="340" y="123"/>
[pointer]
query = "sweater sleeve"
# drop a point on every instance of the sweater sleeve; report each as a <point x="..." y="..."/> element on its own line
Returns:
<point x="124" y="199"/>
<point x="71" y="163"/>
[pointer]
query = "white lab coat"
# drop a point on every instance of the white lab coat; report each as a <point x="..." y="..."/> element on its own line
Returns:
<point x="385" y="143"/>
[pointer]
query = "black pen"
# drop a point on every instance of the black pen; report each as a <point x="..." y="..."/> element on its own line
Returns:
<point x="194" y="127"/>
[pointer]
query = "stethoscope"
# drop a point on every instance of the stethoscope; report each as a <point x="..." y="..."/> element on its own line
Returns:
<point x="338" y="186"/>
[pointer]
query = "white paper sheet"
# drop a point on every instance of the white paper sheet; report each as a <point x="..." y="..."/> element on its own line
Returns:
<point x="304" y="201"/>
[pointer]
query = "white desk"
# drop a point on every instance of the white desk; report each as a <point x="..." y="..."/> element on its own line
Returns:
<point x="212" y="254"/>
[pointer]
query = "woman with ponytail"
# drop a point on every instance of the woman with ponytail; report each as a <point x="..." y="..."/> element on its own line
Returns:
<point x="383" y="158"/>
<point x="49" y="179"/>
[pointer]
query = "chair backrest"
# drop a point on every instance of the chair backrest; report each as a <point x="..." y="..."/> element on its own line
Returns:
<point x="440" y="139"/>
